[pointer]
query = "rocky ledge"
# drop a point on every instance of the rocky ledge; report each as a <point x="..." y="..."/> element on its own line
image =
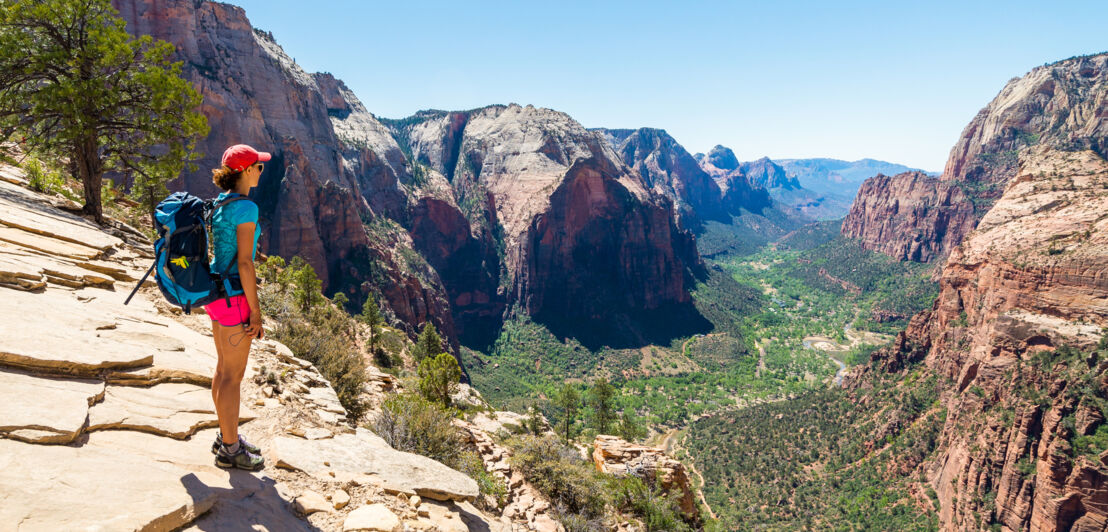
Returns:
<point x="619" y="457"/>
<point x="106" y="417"/>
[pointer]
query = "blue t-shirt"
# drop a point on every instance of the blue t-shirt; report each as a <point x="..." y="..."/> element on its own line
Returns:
<point x="225" y="220"/>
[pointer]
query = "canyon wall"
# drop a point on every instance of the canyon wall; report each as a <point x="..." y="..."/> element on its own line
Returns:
<point x="1062" y="105"/>
<point x="1013" y="336"/>
<point x="446" y="216"/>
<point x="314" y="197"/>
<point x="909" y="216"/>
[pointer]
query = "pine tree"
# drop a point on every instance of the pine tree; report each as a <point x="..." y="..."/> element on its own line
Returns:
<point x="371" y="315"/>
<point x="270" y="271"/>
<point x="77" y="85"/>
<point x="630" y="428"/>
<point x="340" y="300"/>
<point x="602" y="402"/>
<point x="308" y="290"/>
<point x="438" y="378"/>
<point x="429" y="343"/>
<point x="533" y="422"/>
<point x="570" y="402"/>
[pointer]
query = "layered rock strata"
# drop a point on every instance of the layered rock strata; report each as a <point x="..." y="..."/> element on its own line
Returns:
<point x="619" y="457"/>
<point x="730" y="174"/>
<point x="453" y="218"/>
<point x="109" y="425"/>
<point x="326" y="180"/>
<point x="909" y="216"/>
<point x="1029" y="284"/>
<point x="561" y="227"/>
<point x="1062" y="105"/>
<point x="671" y="171"/>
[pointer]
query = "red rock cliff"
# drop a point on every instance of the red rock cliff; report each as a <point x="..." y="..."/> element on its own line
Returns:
<point x="909" y="216"/>
<point x="669" y="170"/>
<point x="325" y="180"/>
<point x="1062" y="105"/>
<point x="582" y="238"/>
<point x="448" y="234"/>
<point x="1032" y="278"/>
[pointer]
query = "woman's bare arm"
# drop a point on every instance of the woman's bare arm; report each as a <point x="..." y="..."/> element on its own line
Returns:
<point x="244" y="235"/>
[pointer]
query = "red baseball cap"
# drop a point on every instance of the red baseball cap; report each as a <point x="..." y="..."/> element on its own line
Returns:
<point x="241" y="156"/>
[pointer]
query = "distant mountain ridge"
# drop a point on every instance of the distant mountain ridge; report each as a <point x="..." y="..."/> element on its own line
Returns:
<point x="722" y="164"/>
<point x="839" y="177"/>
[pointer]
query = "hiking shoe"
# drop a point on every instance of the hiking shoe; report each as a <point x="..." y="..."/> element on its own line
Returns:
<point x="243" y="459"/>
<point x="242" y="441"/>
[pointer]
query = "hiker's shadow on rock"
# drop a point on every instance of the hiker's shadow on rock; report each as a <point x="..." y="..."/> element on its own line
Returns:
<point x="251" y="503"/>
<point x="472" y="522"/>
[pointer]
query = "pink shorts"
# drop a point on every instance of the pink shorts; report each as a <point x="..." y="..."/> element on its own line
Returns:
<point x="236" y="314"/>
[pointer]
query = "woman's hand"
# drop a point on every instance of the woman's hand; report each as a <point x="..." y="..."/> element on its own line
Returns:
<point x="254" y="325"/>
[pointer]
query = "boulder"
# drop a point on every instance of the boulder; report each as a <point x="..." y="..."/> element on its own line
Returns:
<point x="339" y="499"/>
<point x="366" y="453"/>
<point x="311" y="502"/>
<point x="374" y="517"/>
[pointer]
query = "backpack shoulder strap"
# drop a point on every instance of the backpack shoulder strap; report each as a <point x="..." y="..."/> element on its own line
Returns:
<point x="213" y="205"/>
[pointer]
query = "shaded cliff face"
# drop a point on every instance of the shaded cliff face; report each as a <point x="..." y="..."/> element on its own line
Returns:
<point x="437" y="213"/>
<point x="334" y="169"/>
<point x="722" y="158"/>
<point x="605" y="266"/>
<point x="1061" y="105"/>
<point x="559" y="225"/>
<point x="909" y="216"/>
<point x="738" y="190"/>
<point x="1031" y="279"/>
<point x="669" y="170"/>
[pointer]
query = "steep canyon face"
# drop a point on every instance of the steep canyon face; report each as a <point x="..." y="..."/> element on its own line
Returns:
<point x="1013" y="336"/>
<point x="1062" y="105"/>
<point x="671" y="171"/>
<point x="909" y="216"/>
<point x="584" y="243"/>
<point x="730" y="174"/>
<point x="324" y="182"/>
<point x="451" y="217"/>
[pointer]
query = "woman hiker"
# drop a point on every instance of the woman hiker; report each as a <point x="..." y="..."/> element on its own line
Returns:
<point x="238" y="320"/>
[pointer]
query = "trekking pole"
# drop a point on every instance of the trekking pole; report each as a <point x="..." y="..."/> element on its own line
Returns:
<point x="139" y="285"/>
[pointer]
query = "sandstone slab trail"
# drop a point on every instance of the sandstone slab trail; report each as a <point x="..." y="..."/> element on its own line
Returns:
<point x="106" y="417"/>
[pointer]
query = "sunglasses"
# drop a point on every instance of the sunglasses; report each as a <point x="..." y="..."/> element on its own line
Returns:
<point x="261" y="166"/>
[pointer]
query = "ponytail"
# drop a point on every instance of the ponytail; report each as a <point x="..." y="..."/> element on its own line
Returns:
<point x="226" y="178"/>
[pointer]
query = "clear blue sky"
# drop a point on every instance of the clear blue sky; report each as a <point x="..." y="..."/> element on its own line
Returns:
<point x="890" y="80"/>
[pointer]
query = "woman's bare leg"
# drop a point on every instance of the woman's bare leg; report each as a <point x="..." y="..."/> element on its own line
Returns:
<point x="233" y="347"/>
<point x="217" y="378"/>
